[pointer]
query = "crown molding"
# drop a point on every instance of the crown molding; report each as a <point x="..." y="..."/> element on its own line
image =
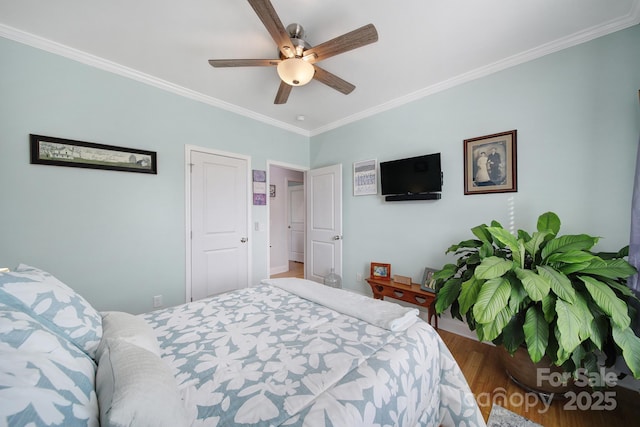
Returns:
<point x="115" y="68"/>
<point x="631" y="19"/>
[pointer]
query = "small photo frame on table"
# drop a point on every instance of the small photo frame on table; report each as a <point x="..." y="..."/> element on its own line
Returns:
<point x="428" y="283"/>
<point x="380" y="271"/>
<point x="490" y="164"/>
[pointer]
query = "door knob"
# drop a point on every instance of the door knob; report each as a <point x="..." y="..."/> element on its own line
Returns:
<point x="337" y="237"/>
<point x="244" y="240"/>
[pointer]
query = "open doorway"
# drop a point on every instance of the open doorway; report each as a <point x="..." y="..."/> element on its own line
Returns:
<point x="286" y="222"/>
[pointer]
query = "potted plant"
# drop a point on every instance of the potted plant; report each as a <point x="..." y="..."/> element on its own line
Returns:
<point x="545" y="294"/>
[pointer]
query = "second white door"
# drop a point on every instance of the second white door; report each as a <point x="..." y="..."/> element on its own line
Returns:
<point x="219" y="224"/>
<point x="296" y="222"/>
<point x="324" y="222"/>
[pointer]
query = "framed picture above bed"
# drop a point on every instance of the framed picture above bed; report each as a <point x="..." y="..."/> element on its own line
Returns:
<point x="380" y="271"/>
<point x="47" y="150"/>
<point x="490" y="163"/>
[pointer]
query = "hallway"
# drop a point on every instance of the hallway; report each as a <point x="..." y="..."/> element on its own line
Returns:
<point x="296" y="269"/>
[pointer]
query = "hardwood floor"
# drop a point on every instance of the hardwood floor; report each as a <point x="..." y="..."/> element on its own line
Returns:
<point x="296" y="269"/>
<point x="489" y="382"/>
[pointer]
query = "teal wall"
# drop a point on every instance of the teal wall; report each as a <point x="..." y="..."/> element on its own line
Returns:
<point x="578" y="122"/>
<point x="117" y="238"/>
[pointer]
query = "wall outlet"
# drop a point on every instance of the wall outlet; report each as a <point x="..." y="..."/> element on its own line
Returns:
<point x="157" y="301"/>
<point x="358" y="277"/>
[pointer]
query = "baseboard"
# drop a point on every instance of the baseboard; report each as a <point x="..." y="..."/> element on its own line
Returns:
<point x="279" y="269"/>
<point x="455" y="326"/>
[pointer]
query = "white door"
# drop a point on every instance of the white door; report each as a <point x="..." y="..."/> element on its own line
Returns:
<point x="219" y="224"/>
<point x="324" y="222"/>
<point x="296" y="222"/>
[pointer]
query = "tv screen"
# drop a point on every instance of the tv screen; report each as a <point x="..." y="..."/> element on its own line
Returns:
<point x="413" y="175"/>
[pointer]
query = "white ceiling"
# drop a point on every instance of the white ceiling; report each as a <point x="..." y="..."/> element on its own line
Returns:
<point x="424" y="46"/>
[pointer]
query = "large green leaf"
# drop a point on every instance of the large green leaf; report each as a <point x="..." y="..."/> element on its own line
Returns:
<point x="464" y="245"/>
<point x="446" y="272"/>
<point x="532" y="246"/>
<point x="577" y="242"/>
<point x="519" y="296"/>
<point x="506" y="238"/>
<point x="536" y="333"/>
<point x="481" y="233"/>
<point x="447" y="294"/>
<point x="536" y="286"/>
<point x="562" y="355"/>
<point x="613" y="269"/>
<point x="623" y="289"/>
<point x="568" y="269"/>
<point x="578" y="355"/>
<point x="469" y="293"/>
<point x="599" y="330"/>
<point x="493" y="267"/>
<point x="494" y="328"/>
<point x="590" y="362"/>
<point x="470" y="261"/>
<point x="523" y="235"/>
<point x="513" y="335"/>
<point x="630" y="345"/>
<point x="582" y="306"/>
<point x="560" y="284"/>
<point x="607" y="300"/>
<point x="549" y="307"/>
<point x="568" y="326"/>
<point x="571" y="257"/>
<point x="486" y="250"/>
<point x="492" y="298"/>
<point x="549" y="221"/>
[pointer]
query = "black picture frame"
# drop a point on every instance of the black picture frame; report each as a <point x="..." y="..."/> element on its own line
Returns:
<point x="490" y="163"/>
<point x="48" y="150"/>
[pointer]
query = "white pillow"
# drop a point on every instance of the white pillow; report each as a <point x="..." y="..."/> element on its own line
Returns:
<point x="53" y="304"/>
<point x="127" y="327"/>
<point x="136" y="388"/>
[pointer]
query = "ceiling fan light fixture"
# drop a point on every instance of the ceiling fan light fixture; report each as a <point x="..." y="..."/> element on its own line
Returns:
<point x="295" y="71"/>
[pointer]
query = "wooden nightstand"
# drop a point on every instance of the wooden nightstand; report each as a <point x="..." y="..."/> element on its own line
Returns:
<point x="408" y="293"/>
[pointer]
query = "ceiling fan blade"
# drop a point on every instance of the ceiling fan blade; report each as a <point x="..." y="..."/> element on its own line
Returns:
<point x="283" y="93"/>
<point x="333" y="81"/>
<point x="218" y="63"/>
<point x="344" y="43"/>
<point x="270" y="19"/>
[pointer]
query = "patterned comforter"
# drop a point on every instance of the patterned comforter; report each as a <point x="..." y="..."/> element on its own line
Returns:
<point x="262" y="356"/>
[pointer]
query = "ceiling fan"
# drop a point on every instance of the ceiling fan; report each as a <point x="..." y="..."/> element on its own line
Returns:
<point x="297" y="63"/>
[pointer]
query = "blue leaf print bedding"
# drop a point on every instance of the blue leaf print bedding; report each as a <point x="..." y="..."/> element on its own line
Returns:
<point x="262" y="356"/>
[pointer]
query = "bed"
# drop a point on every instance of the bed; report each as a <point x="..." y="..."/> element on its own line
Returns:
<point x="286" y="352"/>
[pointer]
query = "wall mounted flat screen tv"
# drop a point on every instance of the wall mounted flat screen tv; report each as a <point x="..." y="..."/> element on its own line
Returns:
<point x="414" y="175"/>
